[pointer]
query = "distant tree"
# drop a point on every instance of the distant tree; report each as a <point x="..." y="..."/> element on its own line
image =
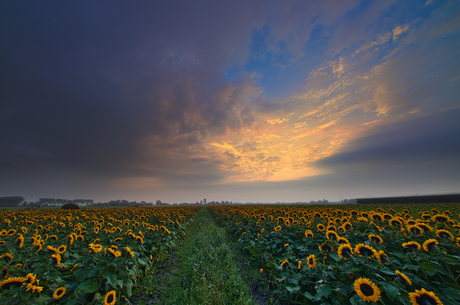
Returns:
<point x="71" y="206"/>
<point x="158" y="202"/>
<point x="11" y="201"/>
<point x="204" y="201"/>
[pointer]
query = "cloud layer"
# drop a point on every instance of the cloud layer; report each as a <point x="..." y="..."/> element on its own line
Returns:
<point x="176" y="100"/>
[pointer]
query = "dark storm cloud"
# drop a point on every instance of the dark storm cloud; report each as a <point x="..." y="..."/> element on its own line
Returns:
<point x="430" y="142"/>
<point x="105" y="86"/>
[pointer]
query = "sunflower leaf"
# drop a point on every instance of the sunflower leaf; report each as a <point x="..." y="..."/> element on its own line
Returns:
<point x="391" y="291"/>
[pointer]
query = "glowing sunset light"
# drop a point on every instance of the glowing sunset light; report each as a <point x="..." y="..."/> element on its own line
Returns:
<point x="243" y="101"/>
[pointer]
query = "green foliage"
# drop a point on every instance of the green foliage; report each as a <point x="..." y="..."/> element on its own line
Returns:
<point x="278" y="251"/>
<point x="209" y="273"/>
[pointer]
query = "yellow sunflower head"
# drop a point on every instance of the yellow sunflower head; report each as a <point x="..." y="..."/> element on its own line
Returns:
<point x="345" y="251"/>
<point x="321" y="227"/>
<point x="347" y="226"/>
<point x="430" y="244"/>
<point x="415" y="229"/>
<point x="332" y="235"/>
<point x="441" y="218"/>
<point x="412" y="245"/>
<point x="61" y="249"/>
<point x="59" y="293"/>
<point x="110" y="298"/>
<point x="382" y="257"/>
<point x="311" y="261"/>
<point x="403" y="278"/>
<point x="343" y="240"/>
<point x="424" y="297"/>
<point x="326" y="247"/>
<point x="367" y="290"/>
<point x="444" y="234"/>
<point x="365" y="250"/>
<point x="12" y="281"/>
<point x="375" y="239"/>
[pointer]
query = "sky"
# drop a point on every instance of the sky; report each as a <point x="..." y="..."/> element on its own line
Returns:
<point x="243" y="101"/>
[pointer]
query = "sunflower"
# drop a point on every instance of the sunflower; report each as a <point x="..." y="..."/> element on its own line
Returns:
<point x="375" y="238"/>
<point x="12" y="281"/>
<point x="5" y="273"/>
<point x="342" y="240"/>
<point x="347" y="226"/>
<point x="430" y="244"/>
<point x="300" y="265"/>
<point x="425" y="216"/>
<point x="377" y="217"/>
<point x="308" y="234"/>
<point x="321" y="227"/>
<point x="365" y="250"/>
<point x="412" y="245"/>
<point x="382" y="256"/>
<point x="440" y="218"/>
<point x="325" y="247"/>
<point x="410" y="222"/>
<point x="415" y="229"/>
<point x="404" y="277"/>
<point x="420" y="297"/>
<point x="368" y="291"/>
<point x="394" y="222"/>
<point x="311" y="261"/>
<point x="110" y="298"/>
<point x="345" y="251"/>
<point x="458" y="242"/>
<point x="284" y="263"/>
<point x="61" y="249"/>
<point x="59" y="293"/>
<point x="331" y="228"/>
<point x="34" y="288"/>
<point x="424" y="227"/>
<point x="363" y="219"/>
<point x="444" y="234"/>
<point x="277" y="229"/>
<point x="261" y="270"/>
<point x="332" y="235"/>
<point x="57" y="258"/>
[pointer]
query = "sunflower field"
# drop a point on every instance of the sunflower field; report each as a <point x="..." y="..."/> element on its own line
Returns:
<point x="86" y="256"/>
<point x="342" y="254"/>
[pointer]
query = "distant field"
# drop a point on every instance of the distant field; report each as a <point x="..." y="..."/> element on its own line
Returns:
<point x="298" y="254"/>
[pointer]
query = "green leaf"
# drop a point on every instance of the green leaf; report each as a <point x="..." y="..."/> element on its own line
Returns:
<point x="87" y="286"/>
<point x="334" y="256"/>
<point x="391" y="291"/>
<point x="111" y="279"/>
<point x="293" y="289"/>
<point x="293" y="281"/>
<point x="324" y="290"/>
<point x="308" y="295"/>
<point x="426" y="266"/>
<point x="129" y="287"/>
<point x="43" y="299"/>
<point x="270" y="265"/>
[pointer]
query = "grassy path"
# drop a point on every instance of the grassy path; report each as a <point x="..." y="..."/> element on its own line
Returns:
<point x="204" y="269"/>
